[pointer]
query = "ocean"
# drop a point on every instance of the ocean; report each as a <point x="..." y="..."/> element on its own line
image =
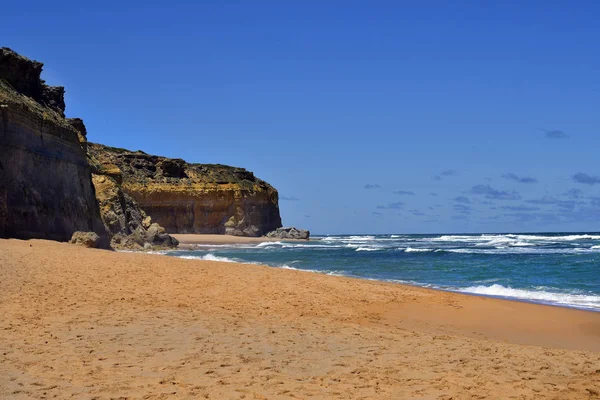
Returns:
<point x="560" y="269"/>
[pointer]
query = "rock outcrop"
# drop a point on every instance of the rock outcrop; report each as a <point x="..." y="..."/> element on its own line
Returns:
<point x="191" y="198"/>
<point x="128" y="225"/>
<point x="23" y="75"/>
<point x="132" y="200"/>
<point x="46" y="188"/>
<point x="86" y="239"/>
<point x="289" y="233"/>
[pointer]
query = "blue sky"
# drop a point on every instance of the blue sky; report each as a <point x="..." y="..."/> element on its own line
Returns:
<point x="380" y="117"/>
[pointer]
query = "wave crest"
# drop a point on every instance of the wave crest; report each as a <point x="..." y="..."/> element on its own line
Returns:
<point x="542" y="296"/>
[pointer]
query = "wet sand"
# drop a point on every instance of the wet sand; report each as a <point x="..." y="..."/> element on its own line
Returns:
<point x="87" y="323"/>
<point x="190" y="240"/>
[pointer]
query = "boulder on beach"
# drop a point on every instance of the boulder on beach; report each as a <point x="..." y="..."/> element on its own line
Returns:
<point x="289" y="233"/>
<point x="86" y="239"/>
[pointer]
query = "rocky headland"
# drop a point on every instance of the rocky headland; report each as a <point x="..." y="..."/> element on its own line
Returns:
<point x="190" y="198"/>
<point x="53" y="183"/>
<point x="46" y="186"/>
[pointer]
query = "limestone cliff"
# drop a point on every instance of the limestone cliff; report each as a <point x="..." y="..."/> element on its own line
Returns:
<point x="128" y="225"/>
<point x="191" y="198"/>
<point x="46" y="189"/>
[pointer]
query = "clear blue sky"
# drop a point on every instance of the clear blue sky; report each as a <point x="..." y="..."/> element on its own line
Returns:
<point x="489" y="112"/>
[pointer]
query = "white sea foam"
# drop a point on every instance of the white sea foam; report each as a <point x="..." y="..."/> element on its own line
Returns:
<point x="416" y="250"/>
<point x="210" y="257"/>
<point x="325" y="272"/>
<point x="368" y="248"/>
<point x="310" y="246"/>
<point x="491" y="239"/>
<point x="267" y="244"/>
<point x="521" y="244"/>
<point x="569" y="299"/>
<point x="358" y="238"/>
<point x="520" y="250"/>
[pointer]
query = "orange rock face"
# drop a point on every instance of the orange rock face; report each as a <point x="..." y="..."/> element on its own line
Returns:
<point x="192" y="198"/>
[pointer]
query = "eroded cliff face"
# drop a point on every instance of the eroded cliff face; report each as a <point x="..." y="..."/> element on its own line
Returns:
<point x="46" y="189"/>
<point x="191" y="198"/>
<point x="129" y="226"/>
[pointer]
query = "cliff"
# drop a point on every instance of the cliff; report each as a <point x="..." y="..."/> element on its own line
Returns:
<point x="191" y="198"/>
<point x="127" y="223"/>
<point x="46" y="188"/>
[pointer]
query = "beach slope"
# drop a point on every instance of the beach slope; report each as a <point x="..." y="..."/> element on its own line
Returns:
<point x="87" y="323"/>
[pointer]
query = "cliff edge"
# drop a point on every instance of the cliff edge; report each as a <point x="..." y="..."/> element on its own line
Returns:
<point x="191" y="198"/>
<point x="46" y="188"/>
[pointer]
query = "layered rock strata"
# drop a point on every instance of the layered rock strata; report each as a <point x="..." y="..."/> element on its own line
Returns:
<point x="128" y="225"/>
<point x="191" y="198"/>
<point x="46" y="188"/>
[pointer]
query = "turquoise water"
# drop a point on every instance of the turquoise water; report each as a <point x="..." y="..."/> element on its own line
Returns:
<point x="554" y="268"/>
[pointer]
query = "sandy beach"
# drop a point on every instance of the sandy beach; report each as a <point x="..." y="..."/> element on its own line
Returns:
<point x="86" y="323"/>
<point x="190" y="240"/>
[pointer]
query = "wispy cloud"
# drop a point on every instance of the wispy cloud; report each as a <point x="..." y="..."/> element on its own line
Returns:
<point x="288" y="198"/>
<point x="574" y="193"/>
<point x="546" y="199"/>
<point x="529" y="217"/>
<point x="586" y="179"/>
<point x="448" y="172"/>
<point x="521" y="216"/>
<point x="463" y="209"/>
<point x="555" y="134"/>
<point x="494" y="194"/>
<point x="376" y="213"/>
<point x="372" y="186"/>
<point x="520" y="179"/>
<point x="460" y="217"/>
<point x="519" y="208"/>
<point x="551" y="200"/>
<point x="392" y="206"/>
<point x="433" y="194"/>
<point x="462" y="199"/>
<point x="404" y="193"/>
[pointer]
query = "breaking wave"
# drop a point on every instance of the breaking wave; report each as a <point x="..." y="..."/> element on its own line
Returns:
<point x="569" y="299"/>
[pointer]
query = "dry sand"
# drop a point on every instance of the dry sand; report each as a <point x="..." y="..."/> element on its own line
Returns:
<point x="89" y="324"/>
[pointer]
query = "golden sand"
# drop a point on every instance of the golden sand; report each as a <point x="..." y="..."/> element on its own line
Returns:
<point x="82" y="323"/>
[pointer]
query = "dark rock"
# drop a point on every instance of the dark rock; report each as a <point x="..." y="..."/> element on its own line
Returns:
<point x="289" y="233"/>
<point x="53" y="97"/>
<point x="46" y="189"/>
<point x="79" y="126"/>
<point x="86" y="239"/>
<point x="23" y="75"/>
<point x="173" y="168"/>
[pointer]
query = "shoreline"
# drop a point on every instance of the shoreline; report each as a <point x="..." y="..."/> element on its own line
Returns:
<point x="133" y="324"/>
<point x="191" y="241"/>
<point x="188" y="240"/>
